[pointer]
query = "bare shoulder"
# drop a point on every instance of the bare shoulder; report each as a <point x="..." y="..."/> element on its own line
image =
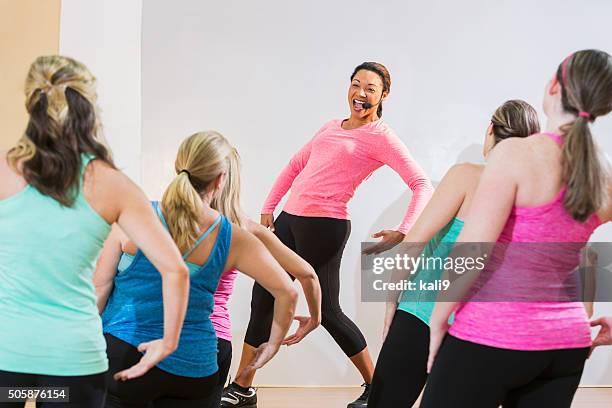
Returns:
<point x="5" y="169"/>
<point x="12" y="181"/>
<point x="606" y="213"/>
<point x="462" y="170"/>
<point x="243" y="242"/>
<point x="515" y="145"/>
<point x="3" y="159"/>
<point x="110" y="192"/>
<point x="514" y="155"/>
<point x="103" y="175"/>
<point x="240" y="236"/>
<point x="463" y="175"/>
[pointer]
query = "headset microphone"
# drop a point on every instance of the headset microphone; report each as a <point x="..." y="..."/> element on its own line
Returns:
<point x="368" y="105"/>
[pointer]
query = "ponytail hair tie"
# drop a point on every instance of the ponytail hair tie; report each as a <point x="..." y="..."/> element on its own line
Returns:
<point x="186" y="172"/>
<point x="584" y="114"/>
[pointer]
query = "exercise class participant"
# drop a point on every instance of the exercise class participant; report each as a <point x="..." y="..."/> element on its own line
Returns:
<point x="58" y="198"/>
<point x="548" y="188"/>
<point x="210" y="245"/>
<point x="401" y="368"/>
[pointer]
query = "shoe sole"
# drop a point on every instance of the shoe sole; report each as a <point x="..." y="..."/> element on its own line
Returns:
<point x="247" y="406"/>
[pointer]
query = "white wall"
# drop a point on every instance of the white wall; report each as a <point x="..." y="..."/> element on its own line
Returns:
<point x="268" y="74"/>
<point x="106" y="37"/>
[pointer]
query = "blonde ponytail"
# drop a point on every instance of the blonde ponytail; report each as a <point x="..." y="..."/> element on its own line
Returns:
<point x="228" y="202"/>
<point x="201" y="158"/>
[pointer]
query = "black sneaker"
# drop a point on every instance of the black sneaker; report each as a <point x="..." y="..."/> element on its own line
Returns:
<point x="235" y="396"/>
<point x="362" y="401"/>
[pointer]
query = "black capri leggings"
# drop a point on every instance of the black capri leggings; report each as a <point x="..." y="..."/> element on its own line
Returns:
<point x="320" y="241"/>
<point x="224" y="361"/>
<point x="157" y="388"/>
<point x="86" y="391"/>
<point x="401" y="368"/>
<point x="471" y="375"/>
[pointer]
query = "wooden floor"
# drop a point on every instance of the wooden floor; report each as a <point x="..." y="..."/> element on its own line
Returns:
<point x="339" y="397"/>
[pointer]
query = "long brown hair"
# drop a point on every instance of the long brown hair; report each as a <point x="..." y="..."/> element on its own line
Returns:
<point x="586" y="91"/>
<point x="514" y="118"/>
<point x="63" y="124"/>
<point x="201" y="158"/>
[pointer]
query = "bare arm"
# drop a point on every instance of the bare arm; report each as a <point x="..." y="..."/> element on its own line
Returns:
<point x="106" y="267"/>
<point x="443" y="206"/>
<point x="588" y="269"/>
<point x="297" y="267"/>
<point x="252" y="258"/>
<point x="439" y="211"/>
<point x="484" y="222"/>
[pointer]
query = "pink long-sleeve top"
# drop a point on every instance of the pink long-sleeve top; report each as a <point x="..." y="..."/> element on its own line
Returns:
<point x="325" y="173"/>
<point x="536" y="324"/>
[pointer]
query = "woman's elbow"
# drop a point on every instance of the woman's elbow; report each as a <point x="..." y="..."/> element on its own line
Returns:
<point x="290" y="295"/>
<point x="307" y="274"/>
<point x="178" y="270"/>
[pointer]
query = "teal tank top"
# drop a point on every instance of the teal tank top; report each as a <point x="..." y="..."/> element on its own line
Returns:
<point x="420" y="303"/>
<point x="48" y="316"/>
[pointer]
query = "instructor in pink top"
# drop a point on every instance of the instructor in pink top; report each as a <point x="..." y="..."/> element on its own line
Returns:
<point x="323" y="177"/>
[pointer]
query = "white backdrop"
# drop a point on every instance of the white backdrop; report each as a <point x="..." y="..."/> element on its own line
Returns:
<point x="268" y="74"/>
<point x="106" y="37"/>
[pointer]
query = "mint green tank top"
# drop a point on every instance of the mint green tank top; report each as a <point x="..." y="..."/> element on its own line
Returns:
<point x="48" y="316"/>
<point x="421" y="303"/>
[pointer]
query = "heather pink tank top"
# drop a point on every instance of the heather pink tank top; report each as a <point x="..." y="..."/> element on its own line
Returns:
<point x="531" y="325"/>
<point x="220" y="316"/>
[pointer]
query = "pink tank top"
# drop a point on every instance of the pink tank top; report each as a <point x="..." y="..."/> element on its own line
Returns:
<point x="220" y="316"/>
<point x="531" y="325"/>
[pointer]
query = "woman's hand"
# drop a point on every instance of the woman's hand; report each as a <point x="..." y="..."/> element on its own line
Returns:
<point x="263" y="354"/>
<point x="307" y="324"/>
<point x="267" y="220"/>
<point x="154" y="352"/>
<point x="437" y="331"/>
<point x="389" y="315"/>
<point x="604" y="337"/>
<point x="390" y="239"/>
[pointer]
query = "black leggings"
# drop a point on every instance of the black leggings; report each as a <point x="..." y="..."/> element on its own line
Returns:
<point x="471" y="375"/>
<point x="224" y="361"/>
<point x="86" y="391"/>
<point x="401" y="369"/>
<point x="157" y="388"/>
<point x="320" y="241"/>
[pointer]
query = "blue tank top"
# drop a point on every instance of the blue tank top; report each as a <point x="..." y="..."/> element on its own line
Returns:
<point x="135" y="310"/>
<point x="421" y="303"/>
